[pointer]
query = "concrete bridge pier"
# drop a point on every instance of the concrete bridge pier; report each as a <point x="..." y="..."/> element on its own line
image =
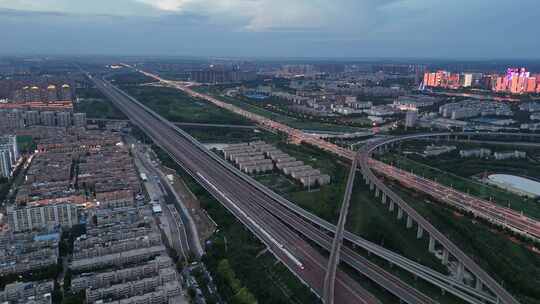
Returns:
<point x="479" y="286"/>
<point x="445" y="255"/>
<point x="391" y="207"/>
<point x="431" y="247"/>
<point x="377" y="192"/>
<point x="399" y="213"/>
<point x="409" y="221"/>
<point x="460" y="272"/>
<point x="383" y="198"/>
<point x="419" y="232"/>
<point x="371" y="186"/>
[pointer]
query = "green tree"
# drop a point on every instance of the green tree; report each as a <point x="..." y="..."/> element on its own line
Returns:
<point x="243" y="296"/>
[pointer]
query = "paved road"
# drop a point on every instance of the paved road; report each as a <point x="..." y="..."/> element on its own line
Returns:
<point x="333" y="262"/>
<point x="187" y="124"/>
<point x="300" y="136"/>
<point x="243" y="201"/>
<point x="489" y="211"/>
<point x="407" y="293"/>
<point x="172" y="226"/>
<point x="365" y="161"/>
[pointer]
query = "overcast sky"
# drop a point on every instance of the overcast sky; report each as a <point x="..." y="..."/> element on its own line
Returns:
<point x="273" y="28"/>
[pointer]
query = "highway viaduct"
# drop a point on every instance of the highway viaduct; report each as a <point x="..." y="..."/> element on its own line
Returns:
<point x="387" y="196"/>
<point x="483" y="280"/>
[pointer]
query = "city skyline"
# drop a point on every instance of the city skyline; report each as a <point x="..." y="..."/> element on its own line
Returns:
<point x="261" y="28"/>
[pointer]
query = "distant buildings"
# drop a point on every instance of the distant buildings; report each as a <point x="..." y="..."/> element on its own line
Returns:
<point x="514" y="81"/>
<point x="49" y="94"/>
<point x="509" y="155"/>
<point x="480" y="153"/>
<point x="214" y="75"/>
<point x="410" y="118"/>
<point x="473" y="108"/>
<point x="18" y="119"/>
<point x="467" y="80"/>
<point x="9" y="154"/>
<point x="414" y="102"/>
<point x="29" y="251"/>
<point x="28" y="293"/>
<point x="433" y="150"/>
<point x="517" y="81"/>
<point x="530" y="106"/>
<point x="5" y="163"/>
<point x="79" y="119"/>
<point x="251" y="158"/>
<point x="442" y="79"/>
<point x="28" y="218"/>
<point x="122" y="259"/>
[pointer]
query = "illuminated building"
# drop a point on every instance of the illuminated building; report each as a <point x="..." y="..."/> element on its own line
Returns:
<point x="531" y="85"/>
<point x="516" y="81"/>
<point x="467" y="80"/>
<point x="51" y="93"/>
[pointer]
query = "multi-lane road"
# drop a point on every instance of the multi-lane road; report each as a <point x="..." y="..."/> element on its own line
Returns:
<point x="489" y="211"/>
<point x="300" y="136"/>
<point x="299" y="220"/>
<point x="292" y="132"/>
<point x="335" y="252"/>
<point x="242" y="200"/>
<point x="482" y="277"/>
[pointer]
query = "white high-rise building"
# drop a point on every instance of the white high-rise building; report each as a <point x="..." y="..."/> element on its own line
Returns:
<point x="79" y="119"/>
<point x="410" y="118"/>
<point x="5" y="162"/>
<point x="42" y="217"/>
<point x="63" y="119"/>
<point x="467" y="80"/>
<point x="9" y="143"/>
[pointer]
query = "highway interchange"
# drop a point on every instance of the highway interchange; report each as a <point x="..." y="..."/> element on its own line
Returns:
<point x="261" y="218"/>
<point x="243" y="201"/>
<point x="498" y="215"/>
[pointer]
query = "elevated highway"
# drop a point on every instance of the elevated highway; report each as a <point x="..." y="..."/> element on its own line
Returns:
<point x="448" y="284"/>
<point x="450" y="250"/>
<point x="497" y="215"/>
<point x="241" y="199"/>
<point x="335" y="251"/>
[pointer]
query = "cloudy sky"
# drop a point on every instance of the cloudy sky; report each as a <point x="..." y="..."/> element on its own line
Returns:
<point x="273" y="28"/>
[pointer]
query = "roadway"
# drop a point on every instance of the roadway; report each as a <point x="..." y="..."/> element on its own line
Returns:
<point x="174" y="229"/>
<point x="302" y="137"/>
<point x="467" y="262"/>
<point x="498" y="215"/>
<point x="335" y="251"/>
<point x="292" y="132"/>
<point x="371" y="271"/>
<point x="241" y="200"/>
<point x="187" y="124"/>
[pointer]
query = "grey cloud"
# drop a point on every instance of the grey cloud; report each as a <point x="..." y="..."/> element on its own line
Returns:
<point x="312" y="28"/>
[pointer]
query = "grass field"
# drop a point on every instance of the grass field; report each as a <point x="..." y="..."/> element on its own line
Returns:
<point x="269" y="282"/>
<point x="367" y="216"/>
<point x="130" y="78"/>
<point x="288" y="120"/>
<point x="228" y="135"/>
<point x="96" y="105"/>
<point x="513" y="264"/>
<point x="177" y="106"/>
<point x="326" y="200"/>
<point x="25" y="143"/>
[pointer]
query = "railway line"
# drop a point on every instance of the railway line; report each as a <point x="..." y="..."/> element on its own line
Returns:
<point x="300" y="217"/>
